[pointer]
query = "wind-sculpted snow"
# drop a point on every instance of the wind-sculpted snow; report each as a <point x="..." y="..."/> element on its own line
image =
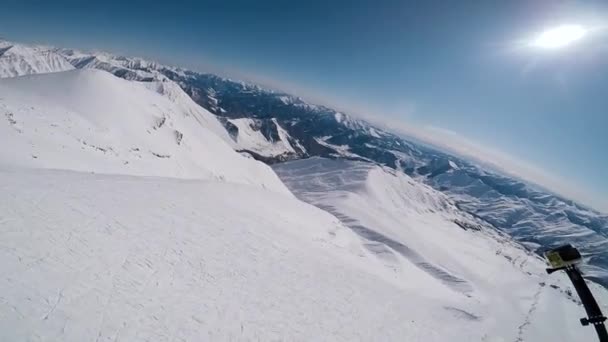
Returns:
<point x="326" y="183"/>
<point x="411" y="227"/>
<point x="378" y="241"/>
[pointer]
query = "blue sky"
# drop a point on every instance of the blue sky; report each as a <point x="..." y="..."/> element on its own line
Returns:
<point x="457" y="67"/>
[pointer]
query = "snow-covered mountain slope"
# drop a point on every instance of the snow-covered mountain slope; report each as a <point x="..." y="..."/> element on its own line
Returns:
<point x="135" y="69"/>
<point x="535" y="217"/>
<point x="419" y="232"/>
<point x="122" y="258"/>
<point x="96" y="257"/>
<point x="265" y="139"/>
<point x="206" y="252"/>
<point x="184" y="103"/>
<point x="18" y="59"/>
<point x="90" y="120"/>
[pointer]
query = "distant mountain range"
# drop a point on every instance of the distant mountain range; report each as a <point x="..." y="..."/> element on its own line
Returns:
<point x="274" y="127"/>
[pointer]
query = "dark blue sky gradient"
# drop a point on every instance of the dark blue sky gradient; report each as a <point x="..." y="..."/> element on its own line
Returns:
<point x="449" y="64"/>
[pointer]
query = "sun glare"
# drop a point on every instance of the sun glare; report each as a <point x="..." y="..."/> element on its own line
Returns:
<point x="559" y="37"/>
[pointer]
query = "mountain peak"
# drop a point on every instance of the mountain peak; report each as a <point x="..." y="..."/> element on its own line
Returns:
<point x="18" y="59"/>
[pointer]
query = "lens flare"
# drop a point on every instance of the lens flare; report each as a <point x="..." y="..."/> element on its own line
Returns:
<point x="559" y="37"/>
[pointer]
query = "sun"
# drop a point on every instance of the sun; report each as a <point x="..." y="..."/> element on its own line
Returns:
<point x="559" y="37"/>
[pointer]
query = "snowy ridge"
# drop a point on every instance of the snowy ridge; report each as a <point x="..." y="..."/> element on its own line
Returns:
<point x="339" y="187"/>
<point x="18" y="59"/>
<point x="135" y="69"/>
<point x="286" y="139"/>
<point x="90" y="120"/>
<point x="358" y="125"/>
<point x="417" y="230"/>
<point x="173" y="92"/>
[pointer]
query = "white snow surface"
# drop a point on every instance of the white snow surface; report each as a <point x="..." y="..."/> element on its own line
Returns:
<point x="18" y="59"/>
<point x="122" y="258"/>
<point x="250" y="138"/>
<point x="90" y="120"/>
<point x="501" y="290"/>
<point x="107" y="257"/>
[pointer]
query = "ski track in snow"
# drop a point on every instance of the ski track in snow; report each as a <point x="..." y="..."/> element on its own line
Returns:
<point x="528" y="319"/>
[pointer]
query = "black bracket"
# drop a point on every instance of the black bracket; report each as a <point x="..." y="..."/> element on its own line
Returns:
<point x="592" y="320"/>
